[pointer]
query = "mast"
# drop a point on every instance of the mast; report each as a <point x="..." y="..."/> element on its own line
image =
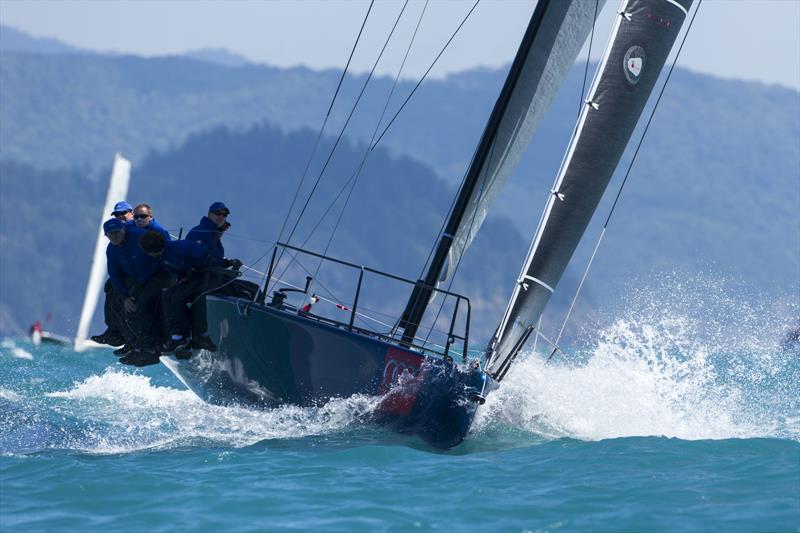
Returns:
<point x="643" y="36"/>
<point x="117" y="190"/>
<point x="552" y="41"/>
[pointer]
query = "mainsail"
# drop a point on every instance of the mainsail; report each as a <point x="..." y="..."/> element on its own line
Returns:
<point x="643" y="35"/>
<point x="117" y="190"/>
<point x="552" y="41"/>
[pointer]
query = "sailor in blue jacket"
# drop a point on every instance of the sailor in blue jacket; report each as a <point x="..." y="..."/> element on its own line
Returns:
<point x="128" y="269"/>
<point x="128" y="266"/>
<point x="113" y="335"/>
<point x="123" y="211"/>
<point x="208" y="232"/>
<point x="184" y="300"/>
<point x="143" y="219"/>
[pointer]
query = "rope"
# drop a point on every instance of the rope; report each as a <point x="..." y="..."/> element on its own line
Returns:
<point x="402" y="106"/>
<point x="357" y="174"/>
<point x="336" y="144"/>
<point x="425" y="75"/>
<point x="322" y="128"/>
<point x="625" y="179"/>
<point x="341" y="132"/>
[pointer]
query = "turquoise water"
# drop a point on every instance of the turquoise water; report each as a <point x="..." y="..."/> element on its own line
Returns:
<point x="645" y="430"/>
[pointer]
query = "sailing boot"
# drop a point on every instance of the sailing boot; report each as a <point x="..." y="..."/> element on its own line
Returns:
<point x="184" y="351"/>
<point x="172" y="344"/>
<point x="125" y="350"/>
<point x="204" y="342"/>
<point x="139" y="359"/>
<point x="110" y="337"/>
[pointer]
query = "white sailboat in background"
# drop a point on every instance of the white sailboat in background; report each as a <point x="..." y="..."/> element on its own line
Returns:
<point x="117" y="190"/>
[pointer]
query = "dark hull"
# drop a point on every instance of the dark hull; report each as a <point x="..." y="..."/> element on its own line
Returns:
<point x="269" y="357"/>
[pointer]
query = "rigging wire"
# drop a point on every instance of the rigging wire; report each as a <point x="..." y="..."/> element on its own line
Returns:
<point x="402" y="106"/>
<point x="322" y="128"/>
<point x="624" y="181"/>
<point x="341" y="132"/>
<point x="339" y="138"/>
<point x="408" y="98"/>
<point x="355" y="177"/>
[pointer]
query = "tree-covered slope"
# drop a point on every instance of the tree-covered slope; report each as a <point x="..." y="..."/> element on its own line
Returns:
<point x="49" y="217"/>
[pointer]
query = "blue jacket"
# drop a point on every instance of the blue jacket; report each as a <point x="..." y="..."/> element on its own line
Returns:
<point x="129" y="261"/>
<point x="205" y="233"/>
<point x="152" y="226"/>
<point x="181" y="256"/>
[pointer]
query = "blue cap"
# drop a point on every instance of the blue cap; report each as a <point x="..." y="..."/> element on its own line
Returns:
<point x="218" y="206"/>
<point x="113" y="224"/>
<point x="121" y="207"/>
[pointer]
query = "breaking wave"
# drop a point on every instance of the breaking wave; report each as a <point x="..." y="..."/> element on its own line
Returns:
<point x="684" y="365"/>
<point x="122" y="412"/>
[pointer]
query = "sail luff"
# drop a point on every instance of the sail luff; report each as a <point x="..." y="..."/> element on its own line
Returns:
<point x="559" y="179"/>
<point x="552" y="41"/>
<point x="643" y="36"/>
<point x="117" y="190"/>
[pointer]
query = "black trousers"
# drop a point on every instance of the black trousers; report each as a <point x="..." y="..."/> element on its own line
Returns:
<point x="185" y="307"/>
<point x="114" y="310"/>
<point x="185" y="302"/>
<point x="147" y="323"/>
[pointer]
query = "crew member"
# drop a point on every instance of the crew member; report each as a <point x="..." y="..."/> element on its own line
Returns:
<point x="113" y="335"/>
<point x="128" y="270"/>
<point x="144" y="220"/>
<point x="208" y="232"/>
<point x="123" y="211"/>
<point x="185" y="299"/>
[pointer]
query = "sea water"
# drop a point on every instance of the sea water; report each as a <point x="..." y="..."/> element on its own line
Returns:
<point x="666" y="421"/>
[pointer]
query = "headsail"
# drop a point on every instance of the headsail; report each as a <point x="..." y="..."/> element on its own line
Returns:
<point x="552" y="41"/>
<point x="642" y="38"/>
<point x="555" y="48"/>
<point x="117" y="190"/>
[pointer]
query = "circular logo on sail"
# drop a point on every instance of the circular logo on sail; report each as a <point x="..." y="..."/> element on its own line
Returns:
<point x="634" y="63"/>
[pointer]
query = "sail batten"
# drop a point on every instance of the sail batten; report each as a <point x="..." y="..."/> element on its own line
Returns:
<point x="641" y="40"/>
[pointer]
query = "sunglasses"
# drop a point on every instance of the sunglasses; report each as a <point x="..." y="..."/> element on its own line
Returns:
<point x="119" y="213"/>
<point x="141" y="216"/>
<point x="221" y="213"/>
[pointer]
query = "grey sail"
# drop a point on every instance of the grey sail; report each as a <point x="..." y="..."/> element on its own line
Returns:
<point x="554" y="37"/>
<point x="643" y="36"/>
<point x="563" y="29"/>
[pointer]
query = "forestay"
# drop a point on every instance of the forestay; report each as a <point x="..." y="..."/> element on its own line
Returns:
<point x="117" y="190"/>
<point x="643" y="35"/>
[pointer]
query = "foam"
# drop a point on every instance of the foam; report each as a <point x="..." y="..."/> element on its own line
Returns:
<point x="9" y="395"/>
<point x="682" y="360"/>
<point x="15" y="351"/>
<point x="123" y="412"/>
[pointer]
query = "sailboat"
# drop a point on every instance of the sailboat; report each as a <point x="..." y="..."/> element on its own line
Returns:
<point x="117" y="189"/>
<point x="273" y="353"/>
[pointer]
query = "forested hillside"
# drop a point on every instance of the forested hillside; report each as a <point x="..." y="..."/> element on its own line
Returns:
<point x="714" y="189"/>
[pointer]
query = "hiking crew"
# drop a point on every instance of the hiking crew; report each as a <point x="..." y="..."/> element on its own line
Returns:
<point x="155" y="295"/>
<point x="184" y="301"/>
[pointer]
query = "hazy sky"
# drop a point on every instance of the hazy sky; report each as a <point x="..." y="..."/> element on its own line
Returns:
<point x="748" y="39"/>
